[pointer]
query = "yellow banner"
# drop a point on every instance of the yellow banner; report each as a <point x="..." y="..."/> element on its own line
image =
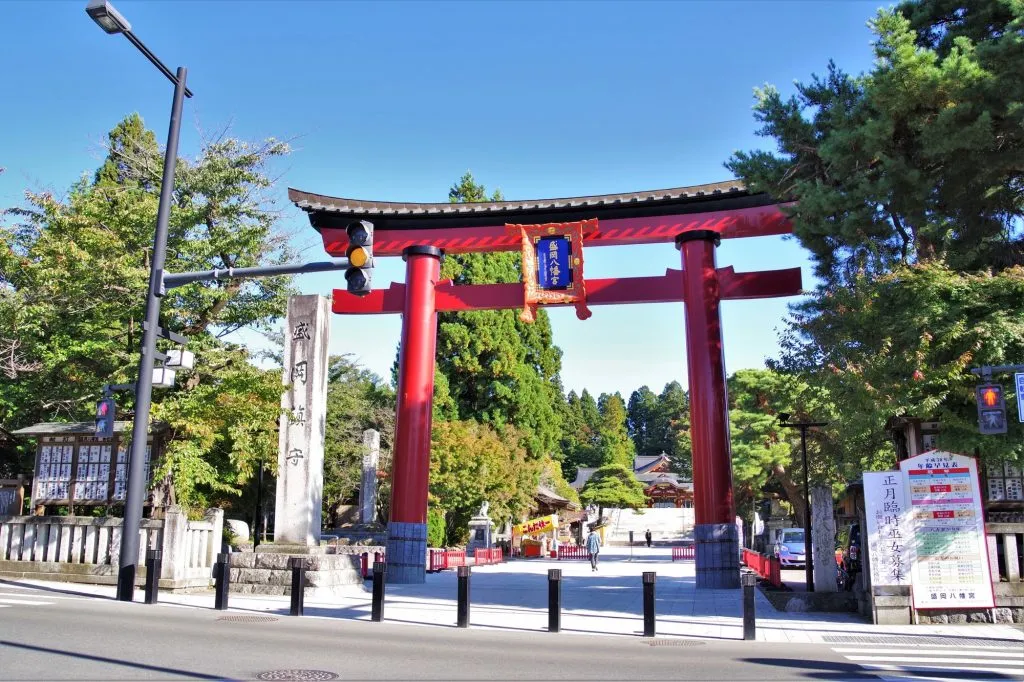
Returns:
<point x="543" y="524"/>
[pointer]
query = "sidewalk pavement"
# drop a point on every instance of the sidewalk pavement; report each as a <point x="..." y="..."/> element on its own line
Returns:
<point x="513" y="596"/>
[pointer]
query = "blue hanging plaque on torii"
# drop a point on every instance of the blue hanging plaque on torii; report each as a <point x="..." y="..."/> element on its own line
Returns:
<point x="554" y="268"/>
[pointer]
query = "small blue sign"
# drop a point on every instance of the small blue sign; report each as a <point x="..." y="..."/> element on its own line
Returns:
<point x="1020" y="395"/>
<point x="554" y="270"/>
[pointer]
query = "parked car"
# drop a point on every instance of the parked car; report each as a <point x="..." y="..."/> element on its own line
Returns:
<point x="851" y="553"/>
<point x="791" y="548"/>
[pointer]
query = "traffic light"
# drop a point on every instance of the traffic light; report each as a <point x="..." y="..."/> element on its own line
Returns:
<point x="106" y="412"/>
<point x="360" y="257"/>
<point x="991" y="409"/>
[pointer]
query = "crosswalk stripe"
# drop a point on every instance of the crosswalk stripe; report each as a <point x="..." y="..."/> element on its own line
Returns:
<point x="16" y="595"/>
<point x="939" y="668"/>
<point x="996" y="644"/>
<point x="1013" y="653"/>
<point x="23" y="602"/>
<point x="930" y="659"/>
<point x="920" y="677"/>
<point x="937" y="664"/>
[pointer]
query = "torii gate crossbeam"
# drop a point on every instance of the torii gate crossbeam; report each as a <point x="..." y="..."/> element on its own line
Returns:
<point x="695" y="218"/>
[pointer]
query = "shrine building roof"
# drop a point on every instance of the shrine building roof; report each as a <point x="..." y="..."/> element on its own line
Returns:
<point x="337" y="212"/>
<point x="81" y="428"/>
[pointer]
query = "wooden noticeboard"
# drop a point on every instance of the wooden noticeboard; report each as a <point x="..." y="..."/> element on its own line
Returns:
<point x="76" y="469"/>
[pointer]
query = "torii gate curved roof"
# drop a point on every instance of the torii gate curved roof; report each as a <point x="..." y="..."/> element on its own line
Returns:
<point x="629" y="218"/>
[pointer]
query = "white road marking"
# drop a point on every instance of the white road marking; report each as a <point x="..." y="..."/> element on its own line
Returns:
<point x="1016" y="652"/>
<point x="935" y="668"/>
<point x="937" y="663"/>
<point x="23" y="602"/>
<point x="930" y="659"/>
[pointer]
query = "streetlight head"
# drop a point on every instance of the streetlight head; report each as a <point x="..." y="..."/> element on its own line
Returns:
<point x="109" y="19"/>
<point x="783" y="416"/>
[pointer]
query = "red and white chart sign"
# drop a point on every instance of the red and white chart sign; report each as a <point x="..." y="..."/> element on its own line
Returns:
<point x="950" y="568"/>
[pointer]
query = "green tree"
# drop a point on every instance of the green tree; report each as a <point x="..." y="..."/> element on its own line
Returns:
<point x="471" y="463"/>
<point x="615" y="486"/>
<point x="670" y="431"/>
<point x="903" y="344"/>
<point x="908" y="189"/>
<point x="73" y="278"/>
<point x="640" y="419"/>
<point x="357" y="400"/>
<point x="614" y="444"/>
<point x="574" y="434"/>
<point x="498" y="369"/>
<point x="763" y="451"/>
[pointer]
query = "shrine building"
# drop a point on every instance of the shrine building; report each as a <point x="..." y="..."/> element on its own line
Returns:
<point x="662" y="488"/>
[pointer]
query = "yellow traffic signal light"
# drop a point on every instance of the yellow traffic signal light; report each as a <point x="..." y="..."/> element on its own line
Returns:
<point x="360" y="257"/>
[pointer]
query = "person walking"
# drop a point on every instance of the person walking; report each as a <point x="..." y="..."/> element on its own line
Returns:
<point x="647" y="536"/>
<point x="593" y="548"/>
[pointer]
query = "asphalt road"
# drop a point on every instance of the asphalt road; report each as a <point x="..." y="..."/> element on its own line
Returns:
<point x="72" y="638"/>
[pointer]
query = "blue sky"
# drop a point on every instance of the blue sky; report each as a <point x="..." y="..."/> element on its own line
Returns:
<point x="396" y="100"/>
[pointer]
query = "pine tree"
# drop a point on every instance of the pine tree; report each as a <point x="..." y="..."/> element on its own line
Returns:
<point x="499" y="369"/>
<point x="615" y="446"/>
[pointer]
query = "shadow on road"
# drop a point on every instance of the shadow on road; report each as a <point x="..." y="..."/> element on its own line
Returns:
<point x="114" y="661"/>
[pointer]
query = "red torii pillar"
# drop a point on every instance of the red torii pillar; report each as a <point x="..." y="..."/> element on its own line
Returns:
<point x="700" y="286"/>
<point x="715" y="533"/>
<point x="407" y="528"/>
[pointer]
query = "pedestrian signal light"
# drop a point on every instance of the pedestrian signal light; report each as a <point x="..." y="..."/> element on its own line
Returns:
<point x="106" y="411"/>
<point x="359" y="274"/>
<point x="991" y="409"/>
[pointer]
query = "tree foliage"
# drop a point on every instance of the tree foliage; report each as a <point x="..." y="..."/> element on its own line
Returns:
<point x="614" y="444"/>
<point x="614" y="485"/>
<point x="904" y="343"/>
<point x="471" y="463"/>
<point x="581" y="423"/>
<point x="498" y="369"/>
<point x="909" y="193"/>
<point x="640" y="420"/>
<point x="73" y="279"/>
<point x="357" y="400"/>
<point x="766" y="455"/>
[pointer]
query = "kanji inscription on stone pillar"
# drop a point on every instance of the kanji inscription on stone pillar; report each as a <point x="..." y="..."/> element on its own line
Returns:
<point x="300" y="459"/>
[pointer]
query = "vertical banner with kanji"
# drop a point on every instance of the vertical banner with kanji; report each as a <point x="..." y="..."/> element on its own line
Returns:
<point x="888" y="532"/>
<point x="300" y="459"/>
<point x="553" y="265"/>
<point x="951" y="566"/>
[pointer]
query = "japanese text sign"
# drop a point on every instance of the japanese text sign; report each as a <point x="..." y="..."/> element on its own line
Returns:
<point x="888" y="528"/>
<point x="951" y="568"/>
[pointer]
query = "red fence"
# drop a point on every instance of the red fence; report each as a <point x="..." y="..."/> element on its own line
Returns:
<point x="366" y="565"/>
<point x="684" y="553"/>
<point x="765" y="566"/>
<point x="441" y="559"/>
<point x="482" y="557"/>
<point x="572" y="552"/>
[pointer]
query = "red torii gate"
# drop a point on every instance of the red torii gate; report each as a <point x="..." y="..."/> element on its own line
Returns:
<point x="695" y="218"/>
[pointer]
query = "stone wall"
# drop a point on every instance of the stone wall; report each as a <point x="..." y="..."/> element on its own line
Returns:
<point x="266" y="573"/>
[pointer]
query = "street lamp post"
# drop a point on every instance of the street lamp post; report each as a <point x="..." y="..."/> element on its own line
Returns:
<point x="111" y="21"/>
<point x="808" y="554"/>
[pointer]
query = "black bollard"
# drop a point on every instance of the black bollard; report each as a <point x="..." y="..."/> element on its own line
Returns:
<point x="154" y="558"/>
<point x="463" y="613"/>
<point x="749" y="580"/>
<point x="554" y="600"/>
<point x="648" y="578"/>
<point x="298" y="566"/>
<point x="377" y="607"/>
<point x="222" y="581"/>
